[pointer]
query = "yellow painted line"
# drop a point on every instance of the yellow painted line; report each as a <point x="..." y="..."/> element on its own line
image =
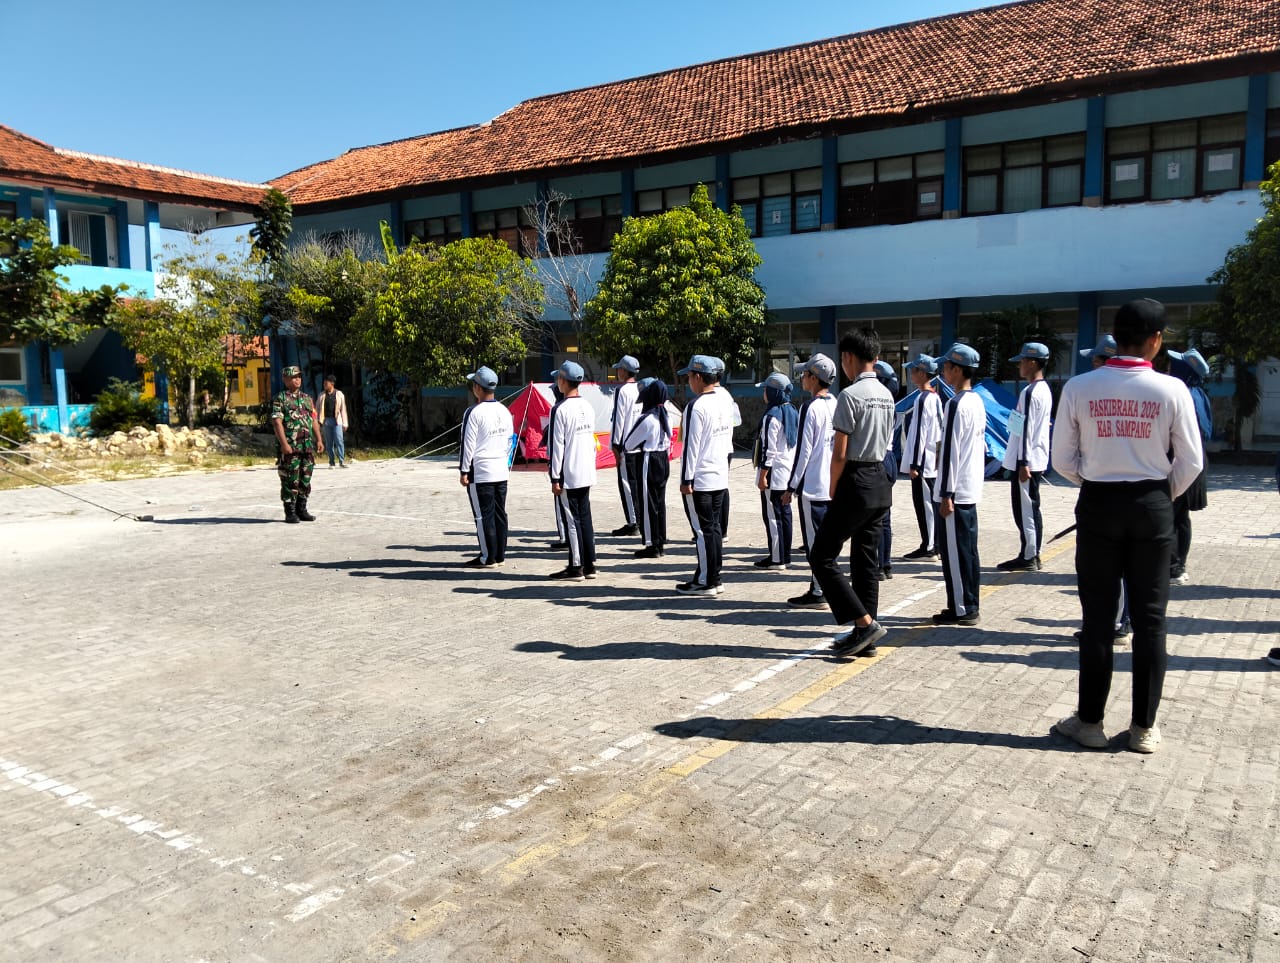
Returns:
<point x="653" y="786"/>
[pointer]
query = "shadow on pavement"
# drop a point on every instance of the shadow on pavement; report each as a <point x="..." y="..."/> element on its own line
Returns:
<point x="657" y="650"/>
<point x="1124" y="661"/>
<point x="870" y="730"/>
<point x="216" y="520"/>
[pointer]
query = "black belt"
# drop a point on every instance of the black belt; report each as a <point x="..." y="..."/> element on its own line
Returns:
<point x="865" y="464"/>
<point x="1133" y="487"/>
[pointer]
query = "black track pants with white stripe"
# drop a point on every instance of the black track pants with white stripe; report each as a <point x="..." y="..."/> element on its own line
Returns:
<point x="958" y="543"/>
<point x="489" y="506"/>
<point x="1025" y="496"/>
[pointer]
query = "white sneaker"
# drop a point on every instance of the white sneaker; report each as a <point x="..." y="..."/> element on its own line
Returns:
<point x="1143" y="740"/>
<point x="1087" y="734"/>
<point x="1182" y="578"/>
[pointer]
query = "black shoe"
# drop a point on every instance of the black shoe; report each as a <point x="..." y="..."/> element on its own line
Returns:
<point x="858" y="639"/>
<point x="303" y="514"/>
<point x="880" y="576"/>
<point x="290" y="516"/>
<point x="769" y="563"/>
<point x="626" y="530"/>
<point x="949" y="617"/>
<point x="569" y="573"/>
<point x="477" y="562"/>
<point x="651" y="551"/>
<point x="696" y="588"/>
<point x="886" y="572"/>
<point x="559" y="545"/>
<point x="920" y="552"/>
<point x="588" y="571"/>
<point x="1020" y="564"/>
<point x="808" y="601"/>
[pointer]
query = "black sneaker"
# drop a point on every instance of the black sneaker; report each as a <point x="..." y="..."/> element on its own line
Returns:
<point x="858" y="639"/>
<point x="569" y="573"/>
<point x="808" y="601"/>
<point x="1020" y="564"/>
<point x="561" y="546"/>
<point x="476" y="562"/>
<point x="651" y="551"/>
<point x="1273" y="657"/>
<point x="949" y="617"/>
<point x="588" y="571"/>
<point x="696" y="588"/>
<point x="886" y="571"/>
<point x="880" y="576"/>
<point x="626" y="530"/>
<point x="920" y="552"/>
<point x="769" y="563"/>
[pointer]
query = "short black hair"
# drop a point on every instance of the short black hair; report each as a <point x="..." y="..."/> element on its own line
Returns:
<point x="970" y="374"/>
<point x="1137" y="321"/>
<point x="330" y="379"/>
<point x="863" y="344"/>
<point x="710" y="377"/>
<point x="571" y="384"/>
<point x="1039" y="362"/>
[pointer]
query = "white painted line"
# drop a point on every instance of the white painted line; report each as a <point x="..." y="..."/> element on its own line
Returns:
<point x="313" y="903"/>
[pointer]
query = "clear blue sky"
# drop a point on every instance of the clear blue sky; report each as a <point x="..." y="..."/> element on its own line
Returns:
<point x="254" y="88"/>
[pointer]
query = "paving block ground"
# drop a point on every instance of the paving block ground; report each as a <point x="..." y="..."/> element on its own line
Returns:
<point x="225" y="738"/>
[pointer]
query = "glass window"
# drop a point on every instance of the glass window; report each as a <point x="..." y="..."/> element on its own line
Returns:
<point x="894" y="169"/>
<point x="1173" y="174"/>
<point x="1021" y="189"/>
<point x="1180" y="134"/>
<point x="808" y="180"/>
<point x="980" y="194"/>
<point x="1127" y="179"/>
<point x="678" y="197"/>
<point x="486" y="221"/>
<point x="1129" y="140"/>
<point x="1222" y="169"/>
<point x="861" y="173"/>
<point x="1227" y="129"/>
<point x="931" y="165"/>
<point x="777" y="216"/>
<point x="1023" y="154"/>
<point x="750" y="214"/>
<point x="508" y="217"/>
<point x="1066" y="148"/>
<point x="8" y="212"/>
<point x="649" y="202"/>
<point x="11" y="364"/>
<point x="929" y="199"/>
<point x="982" y="158"/>
<point x="808" y="212"/>
<point x="746" y="188"/>
<point x="588" y="207"/>
<point x="776" y="185"/>
<point x="1064" y="185"/>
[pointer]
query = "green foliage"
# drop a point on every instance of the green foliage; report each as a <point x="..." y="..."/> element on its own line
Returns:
<point x="35" y="303"/>
<point x="13" y="428"/>
<point x="121" y="406"/>
<point x="444" y="310"/>
<point x="326" y="287"/>
<point x="678" y="284"/>
<point x="999" y="335"/>
<point x="270" y="235"/>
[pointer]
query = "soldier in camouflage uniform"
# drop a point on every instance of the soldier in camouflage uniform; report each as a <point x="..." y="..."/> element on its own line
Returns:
<point x="293" y="418"/>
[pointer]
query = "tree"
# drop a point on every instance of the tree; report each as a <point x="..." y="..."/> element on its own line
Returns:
<point x="203" y="297"/>
<point x="999" y="335"/>
<point x="270" y="235"/>
<point x="1243" y="326"/>
<point x="35" y="302"/>
<point x="565" y="268"/>
<point x="445" y="310"/>
<point x="677" y="284"/>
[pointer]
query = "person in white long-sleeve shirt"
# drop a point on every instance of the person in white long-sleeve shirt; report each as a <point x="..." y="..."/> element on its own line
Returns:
<point x="648" y="448"/>
<point x="571" y="454"/>
<point x="707" y="427"/>
<point x="775" y="453"/>
<point x="961" y="465"/>
<point x="484" y="466"/>
<point x="810" y="484"/>
<point x="1116" y="430"/>
<point x="625" y="412"/>
<point x="1027" y="455"/>
<point x="920" y="451"/>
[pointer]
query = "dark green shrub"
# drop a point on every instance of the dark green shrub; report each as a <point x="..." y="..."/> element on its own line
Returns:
<point x="121" y="407"/>
<point x="13" y="428"/>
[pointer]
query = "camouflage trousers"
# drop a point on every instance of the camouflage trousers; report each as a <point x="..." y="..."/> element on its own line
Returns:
<point x="295" y="474"/>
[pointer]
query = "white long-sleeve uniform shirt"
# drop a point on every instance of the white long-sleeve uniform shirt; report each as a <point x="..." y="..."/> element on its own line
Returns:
<point x="571" y="446"/>
<point x="647" y="435"/>
<point x="486" y="441"/>
<point x="923" y="434"/>
<point x="708" y="442"/>
<point x="626" y="409"/>
<point x="776" y="455"/>
<point x="964" y="450"/>
<point x="1030" y="446"/>
<point x="811" y="473"/>
<point x="1119" y="422"/>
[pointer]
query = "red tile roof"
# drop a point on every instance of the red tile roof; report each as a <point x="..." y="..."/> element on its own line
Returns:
<point x="1050" y="49"/>
<point x="26" y="160"/>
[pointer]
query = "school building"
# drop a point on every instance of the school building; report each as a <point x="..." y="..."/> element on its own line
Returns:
<point x="1070" y="154"/>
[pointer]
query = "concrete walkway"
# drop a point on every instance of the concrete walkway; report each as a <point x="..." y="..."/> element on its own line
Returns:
<point x="224" y="738"/>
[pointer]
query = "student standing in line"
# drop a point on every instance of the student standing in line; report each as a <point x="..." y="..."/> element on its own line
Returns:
<point x="561" y="543"/>
<point x="959" y="489"/>
<point x="484" y="468"/>
<point x="921" y="451"/>
<point x="860" y="497"/>
<point x="1191" y="369"/>
<point x="648" y="447"/>
<point x="775" y="453"/>
<point x="1027" y="455"/>
<point x="1128" y="437"/>
<point x="571" y="453"/>
<point x="889" y="378"/>
<point x="625" y="412"/>
<point x="810" y="483"/>
<point x="727" y="443"/>
<point x="704" y="470"/>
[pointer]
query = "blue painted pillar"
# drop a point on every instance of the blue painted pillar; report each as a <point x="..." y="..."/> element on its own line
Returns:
<point x="275" y="349"/>
<point x="468" y="214"/>
<point x="1095" y="151"/>
<point x="628" y="194"/>
<point x="950" y="322"/>
<point x="1255" y="136"/>
<point x="51" y="215"/>
<point x="548" y="356"/>
<point x="1086" y="327"/>
<point x="723" y="198"/>
<point x="395" y="220"/>
<point x="122" y="234"/>
<point x="162" y="394"/>
<point x="58" y="367"/>
<point x="827" y="325"/>
<point x="830" y="183"/>
<point x="953" y="169"/>
<point x="151" y="220"/>
<point x="24" y="205"/>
